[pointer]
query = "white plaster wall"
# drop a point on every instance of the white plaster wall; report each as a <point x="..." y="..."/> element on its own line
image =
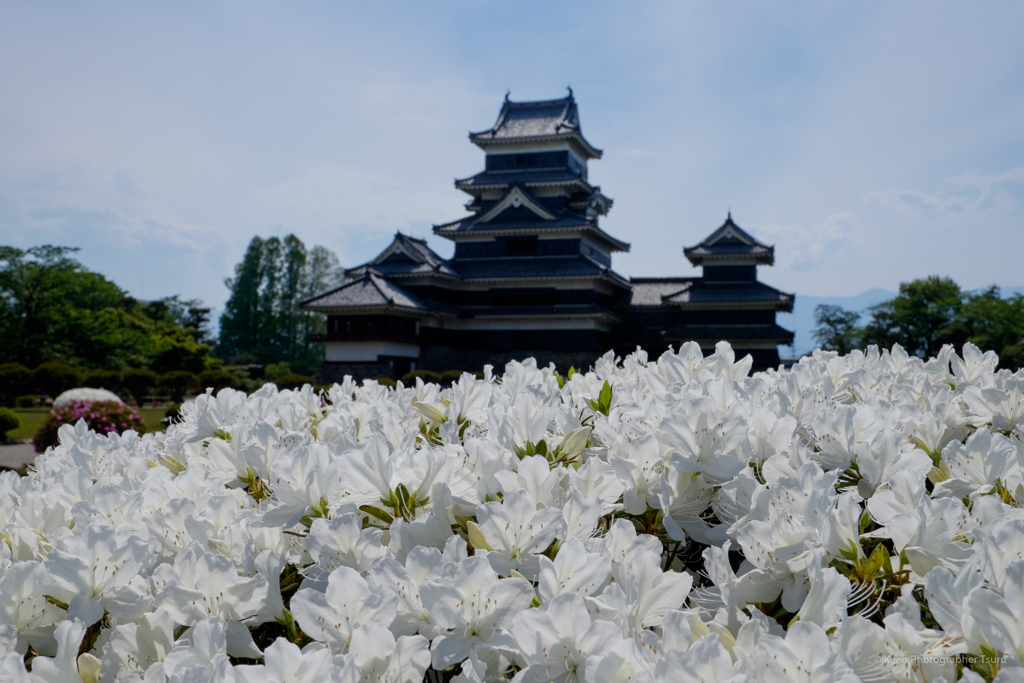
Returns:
<point x="367" y="351"/>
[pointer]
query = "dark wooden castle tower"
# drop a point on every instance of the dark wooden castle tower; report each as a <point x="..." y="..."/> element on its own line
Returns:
<point x="531" y="273"/>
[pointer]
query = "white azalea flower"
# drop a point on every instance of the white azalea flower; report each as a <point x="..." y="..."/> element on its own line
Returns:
<point x="475" y="608"/>
<point x="351" y="520"/>
<point x="67" y="666"/>
<point x="574" y="570"/>
<point x="515" y="531"/>
<point x="561" y="643"/>
<point x="332" y="617"/>
<point x="94" y="570"/>
<point x="376" y="656"/>
<point x="641" y="594"/>
<point x="24" y="607"/>
<point x="202" y="585"/>
<point x="283" y="662"/>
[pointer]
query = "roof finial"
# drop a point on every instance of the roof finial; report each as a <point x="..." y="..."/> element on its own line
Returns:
<point x="569" y="88"/>
<point x="728" y="215"/>
<point x="507" y="94"/>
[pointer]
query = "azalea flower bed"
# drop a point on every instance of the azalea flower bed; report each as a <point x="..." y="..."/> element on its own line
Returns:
<point x="679" y="519"/>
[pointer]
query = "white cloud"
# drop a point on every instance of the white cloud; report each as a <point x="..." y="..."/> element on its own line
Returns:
<point x="805" y="248"/>
<point x="968" y="192"/>
<point x="339" y="206"/>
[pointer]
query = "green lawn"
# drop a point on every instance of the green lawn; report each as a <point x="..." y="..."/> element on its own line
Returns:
<point x="31" y="418"/>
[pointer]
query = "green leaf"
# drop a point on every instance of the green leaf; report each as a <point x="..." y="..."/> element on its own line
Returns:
<point x="54" y="601"/>
<point x="865" y="521"/>
<point x="378" y="513"/>
<point x="877" y="561"/>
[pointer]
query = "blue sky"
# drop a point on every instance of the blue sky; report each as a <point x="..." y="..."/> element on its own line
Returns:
<point x="870" y="142"/>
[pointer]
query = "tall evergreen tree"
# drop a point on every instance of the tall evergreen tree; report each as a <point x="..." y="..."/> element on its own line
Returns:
<point x="239" y="324"/>
<point x="294" y="273"/>
<point x="262" y="319"/>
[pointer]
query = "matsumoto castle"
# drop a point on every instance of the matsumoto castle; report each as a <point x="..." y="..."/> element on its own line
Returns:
<point x="532" y="274"/>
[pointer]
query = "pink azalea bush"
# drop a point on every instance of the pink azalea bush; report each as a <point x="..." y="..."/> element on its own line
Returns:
<point x="102" y="417"/>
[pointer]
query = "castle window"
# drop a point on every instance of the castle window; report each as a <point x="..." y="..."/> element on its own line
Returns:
<point x="521" y="245"/>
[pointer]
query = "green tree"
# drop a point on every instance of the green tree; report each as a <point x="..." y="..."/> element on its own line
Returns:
<point x="104" y="379"/>
<point x="189" y="314"/>
<point x="836" y="328"/>
<point x="52" y="308"/>
<point x="38" y="286"/>
<point x="919" y="318"/>
<point x="178" y="383"/>
<point x="990" y="321"/>
<point x="15" y="379"/>
<point x="139" y="382"/>
<point x="262" y="319"/>
<point x="54" y="378"/>
<point x="239" y="324"/>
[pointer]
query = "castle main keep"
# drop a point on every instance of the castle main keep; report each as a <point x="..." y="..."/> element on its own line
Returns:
<point x="532" y="274"/>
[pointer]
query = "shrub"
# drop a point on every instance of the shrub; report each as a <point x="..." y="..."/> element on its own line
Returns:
<point x="103" y="417"/>
<point x="184" y="355"/>
<point x="292" y="381"/>
<point x="27" y="401"/>
<point x="275" y="370"/>
<point x="54" y="378"/>
<point x="103" y="379"/>
<point x="14" y="379"/>
<point x="217" y="379"/>
<point x="140" y="383"/>
<point x="9" y="421"/>
<point x="386" y="382"/>
<point x="172" y="414"/>
<point x="425" y="375"/>
<point x="178" y="382"/>
<point x="449" y="376"/>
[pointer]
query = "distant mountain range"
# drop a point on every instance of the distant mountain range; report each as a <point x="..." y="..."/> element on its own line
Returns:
<point x="801" y="320"/>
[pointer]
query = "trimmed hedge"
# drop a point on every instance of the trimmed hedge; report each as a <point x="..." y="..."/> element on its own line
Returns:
<point x="9" y="421"/>
<point x="293" y="381"/>
<point x="15" y="379"/>
<point x="54" y="378"/>
<point x="218" y="379"/>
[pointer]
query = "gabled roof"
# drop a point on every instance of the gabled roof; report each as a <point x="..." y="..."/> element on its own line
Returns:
<point x="519" y="211"/>
<point x="544" y="176"/>
<point x="699" y="293"/>
<point x="370" y="291"/>
<point x="730" y="243"/>
<point x="530" y="121"/>
<point x="652" y="291"/>
<point x="405" y="255"/>
<point x="516" y="197"/>
<point x="703" y="293"/>
<point x="538" y="267"/>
